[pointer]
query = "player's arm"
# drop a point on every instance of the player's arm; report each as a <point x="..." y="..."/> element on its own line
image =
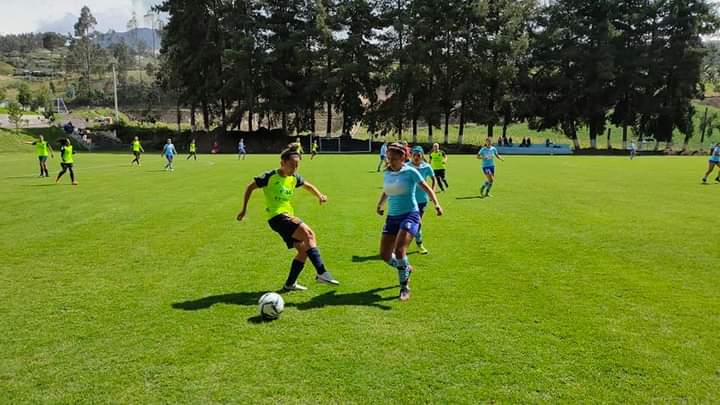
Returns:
<point x="34" y="142"/>
<point x="52" y="153"/>
<point x="311" y="188"/>
<point x="444" y="158"/>
<point x="432" y="196"/>
<point x="381" y="204"/>
<point x="141" y="149"/>
<point x="248" y="192"/>
<point x="497" y="155"/>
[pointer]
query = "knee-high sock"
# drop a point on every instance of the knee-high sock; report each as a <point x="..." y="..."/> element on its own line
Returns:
<point x="403" y="267"/>
<point x="419" y="236"/>
<point x="295" y="269"/>
<point x="314" y="256"/>
<point x="72" y="174"/>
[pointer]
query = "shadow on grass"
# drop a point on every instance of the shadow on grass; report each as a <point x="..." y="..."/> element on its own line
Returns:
<point x="361" y="259"/>
<point x="471" y="197"/>
<point x="370" y="298"/>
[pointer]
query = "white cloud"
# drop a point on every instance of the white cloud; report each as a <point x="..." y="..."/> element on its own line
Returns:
<point x="60" y="15"/>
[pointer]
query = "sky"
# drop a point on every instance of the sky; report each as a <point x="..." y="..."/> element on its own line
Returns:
<point x="20" y="16"/>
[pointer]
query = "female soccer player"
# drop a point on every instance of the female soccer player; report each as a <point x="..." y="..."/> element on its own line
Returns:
<point x="383" y="156"/>
<point x="136" y="150"/>
<point x="169" y="152"/>
<point x="403" y="220"/>
<point x="714" y="161"/>
<point x="43" y="149"/>
<point x="313" y="150"/>
<point x="419" y="164"/>
<point x="241" y="149"/>
<point x="487" y="153"/>
<point x="438" y="161"/>
<point x="67" y="160"/>
<point x="279" y="186"/>
<point x="193" y="150"/>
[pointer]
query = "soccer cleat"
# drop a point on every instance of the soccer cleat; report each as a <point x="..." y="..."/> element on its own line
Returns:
<point x="704" y="180"/>
<point x="74" y="183"/>
<point x="717" y="179"/>
<point x="326" y="278"/>
<point x="421" y="249"/>
<point x="294" y="287"/>
<point x="404" y="294"/>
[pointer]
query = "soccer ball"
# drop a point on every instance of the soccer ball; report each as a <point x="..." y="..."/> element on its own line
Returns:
<point x="271" y="305"/>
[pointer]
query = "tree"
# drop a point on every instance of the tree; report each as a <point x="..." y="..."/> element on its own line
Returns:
<point x="41" y="99"/>
<point x="52" y="41"/>
<point x="84" y="29"/>
<point x="24" y="97"/>
<point x="3" y="94"/>
<point x="15" y="114"/>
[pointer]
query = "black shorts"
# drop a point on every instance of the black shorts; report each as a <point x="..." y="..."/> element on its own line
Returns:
<point x="285" y="226"/>
<point x="137" y="154"/>
<point x="66" y="165"/>
<point x="439" y="172"/>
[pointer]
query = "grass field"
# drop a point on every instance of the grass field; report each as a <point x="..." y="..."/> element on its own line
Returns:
<point x="583" y="279"/>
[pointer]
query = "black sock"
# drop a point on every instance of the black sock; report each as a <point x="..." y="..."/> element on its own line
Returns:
<point x="314" y="256"/>
<point x="295" y="269"/>
<point x="72" y="175"/>
<point x="440" y="183"/>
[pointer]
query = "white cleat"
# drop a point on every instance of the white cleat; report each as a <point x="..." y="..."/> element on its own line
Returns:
<point x="295" y="287"/>
<point x="327" y="278"/>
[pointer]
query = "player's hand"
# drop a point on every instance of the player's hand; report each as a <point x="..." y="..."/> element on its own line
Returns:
<point x="439" y="210"/>
<point x="380" y="211"/>
<point x="241" y="215"/>
<point x="322" y="198"/>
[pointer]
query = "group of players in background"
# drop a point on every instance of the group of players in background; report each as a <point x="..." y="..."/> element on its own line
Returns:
<point x="406" y="193"/>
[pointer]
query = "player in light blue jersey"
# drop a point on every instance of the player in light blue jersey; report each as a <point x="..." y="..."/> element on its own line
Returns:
<point x="487" y="154"/>
<point x="383" y="155"/>
<point x="403" y="220"/>
<point x="418" y="163"/>
<point x="169" y="153"/>
<point x="713" y="162"/>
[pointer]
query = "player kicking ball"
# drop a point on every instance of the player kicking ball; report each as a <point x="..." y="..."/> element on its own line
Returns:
<point x="279" y="186"/>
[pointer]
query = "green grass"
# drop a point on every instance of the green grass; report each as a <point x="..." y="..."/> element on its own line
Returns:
<point x="12" y="142"/>
<point x="581" y="280"/>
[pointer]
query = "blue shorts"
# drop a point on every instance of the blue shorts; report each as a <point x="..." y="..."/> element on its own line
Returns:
<point x="712" y="162"/>
<point x="409" y="222"/>
<point x="42" y="159"/>
<point x="489" y="170"/>
<point x="241" y="152"/>
<point x="169" y="157"/>
<point x="382" y="157"/>
<point x="421" y="207"/>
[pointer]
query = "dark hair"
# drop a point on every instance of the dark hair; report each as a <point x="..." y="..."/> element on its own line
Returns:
<point x="290" y="151"/>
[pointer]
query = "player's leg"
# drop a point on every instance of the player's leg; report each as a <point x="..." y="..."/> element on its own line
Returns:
<point x="305" y="235"/>
<point x="402" y="241"/>
<point x="62" y="172"/>
<point x="296" y="267"/>
<point x="711" y="166"/>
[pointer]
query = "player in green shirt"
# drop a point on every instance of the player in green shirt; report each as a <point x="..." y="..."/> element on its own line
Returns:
<point x="193" y="150"/>
<point x="136" y="150"/>
<point x="66" y="156"/>
<point x="313" y="150"/>
<point x="279" y="186"/>
<point x="43" y="149"/>
<point x="438" y="162"/>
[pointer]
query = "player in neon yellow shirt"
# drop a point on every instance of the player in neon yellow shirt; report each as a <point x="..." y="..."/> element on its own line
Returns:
<point x="279" y="186"/>
<point x="43" y="149"/>
<point x="136" y="150"/>
<point x="438" y="162"/>
<point x="68" y="160"/>
<point x="193" y="150"/>
<point x="313" y="150"/>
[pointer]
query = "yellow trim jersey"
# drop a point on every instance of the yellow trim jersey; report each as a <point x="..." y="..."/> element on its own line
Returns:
<point x="437" y="160"/>
<point x="41" y="147"/>
<point x="278" y="192"/>
<point x="67" y="154"/>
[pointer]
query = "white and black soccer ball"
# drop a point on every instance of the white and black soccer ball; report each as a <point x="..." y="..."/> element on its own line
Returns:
<point x="271" y="305"/>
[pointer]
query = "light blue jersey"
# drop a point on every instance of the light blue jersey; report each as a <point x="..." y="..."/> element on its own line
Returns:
<point x="383" y="150"/>
<point x="169" y="150"/>
<point x="400" y="188"/>
<point x="425" y="171"/>
<point x="715" y="155"/>
<point x="488" y="156"/>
